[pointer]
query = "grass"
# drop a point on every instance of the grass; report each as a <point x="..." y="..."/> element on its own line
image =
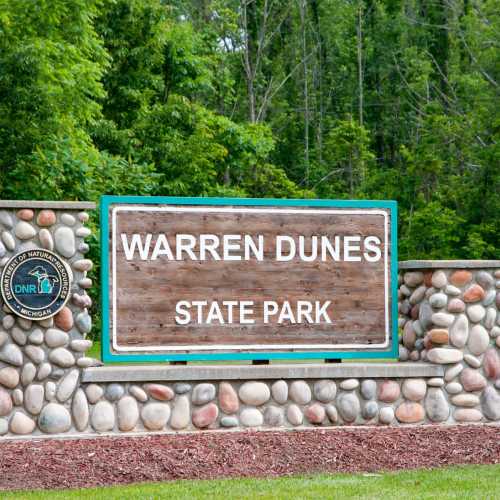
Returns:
<point x="95" y="352"/>
<point x="480" y="481"/>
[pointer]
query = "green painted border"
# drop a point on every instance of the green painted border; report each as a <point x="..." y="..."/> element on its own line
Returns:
<point x="108" y="356"/>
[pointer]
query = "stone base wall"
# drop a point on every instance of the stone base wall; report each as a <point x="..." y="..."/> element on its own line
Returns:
<point x="450" y="329"/>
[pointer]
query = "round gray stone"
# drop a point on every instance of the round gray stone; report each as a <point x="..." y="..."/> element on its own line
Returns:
<point x="114" y="392"/>
<point x="36" y="337"/>
<point x="438" y="300"/>
<point x="279" y="391"/>
<point x="294" y="415"/>
<point x="203" y="393"/>
<point x="332" y="413"/>
<point x="103" y="417"/>
<point x="273" y="416"/>
<point x="81" y="345"/>
<point x="368" y="389"/>
<point x="12" y="355"/>
<point x="386" y="415"/>
<point x="490" y="403"/>
<point x="443" y="319"/>
<point x="300" y="392"/>
<point x="80" y="410"/>
<point x="6" y="219"/>
<point x="454" y="388"/>
<point x="54" y="419"/>
<point x="476" y="313"/>
<point x="50" y="391"/>
<point x="46" y="240"/>
<point x="414" y="389"/>
<point x="478" y="340"/>
<point x="181" y="413"/>
<point x="436" y="405"/>
<point x="439" y="279"/>
<point x="254" y="393"/>
<point x="138" y="392"/>
<point x="24" y="230"/>
<point x="251" y="417"/>
<point x="21" y="424"/>
<point x="8" y="321"/>
<point x="155" y="416"/>
<point x="28" y="374"/>
<point x="35" y="353"/>
<point x="8" y="241"/>
<point x="325" y="390"/>
<point x="229" y="422"/>
<point x="452" y="290"/>
<point x="425" y="315"/>
<point x="459" y="332"/>
<point x="485" y="279"/>
<point x="68" y="219"/>
<point x="67" y="385"/>
<point x="348" y="406"/>
<point x="472" y="360"/>
<point x="350" y="384"/>
<point x="435" y="382"/>
<point x="62" y="357"/>
<point x="64" y="240"/>
<point x="56" y="338"/>
<point x="453" y="372"/>
<point x="443" y="356"/>
<point x="83" y="322"/>
<point x="4" y="426"/>
<point x="413" y="278"/>
<point x="182" y="388"/>
<point x="417" y="295"/>
<point x="18" y="336"/>
<point x="370" y="410"/>
<point x="94" y="393"/>
<point x="491" y="315"/>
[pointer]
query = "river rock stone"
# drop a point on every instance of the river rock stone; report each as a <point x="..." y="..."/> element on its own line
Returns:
<point x="85" y="283"/>
<point x="490" y="403"/>
<point x="489" y="298"/>
<point x="472" y="380"/>
<point x="439" y="279"/>
<point x="64" y="319"/>
<point x="33" y="398"/>
<point x="414" y="389"/>
<point x="459" y="332"/>
<point x="485" y="279"/>
<point x="64" y="239"/>
<point x="386" y="415"/>
<point x="83" y="232"/>
<point x="54" y="419"/>
<point x="68" y="219"/>
<point x="417" y="295"/>
<point x="403" y="353"/>
<point x="409" y="336"/>
<point x="279" y="390"/>
<point x="273" y="416"/>
<point x="456" y="306"/>
<point x="28" y="374"/>
<point x="12" y="355"/>
<point x="454" y="388"/>
<point x="476" y="313"/>
<point x="413" y="278"/>
<point x="35" y="353"/>
<point x="474" y="293"/>
<point x="453" y="291"/>
<point x="205" y="416"/>
<point x="229" y="422"/>
<point x="138" y="393"/>
<point x="438" y="336"/>
<point x="46" y="218"/>
<point x="4" y="426"/>
<point x="425" y="315"/>
<point x="472" y="361"/>
<point x="94" y="393"/>
<point x="36" y="337"/>
<point x="436" y="406"/>
<point x="8" y="321"/>
<point x="491" y="314"/>
<point x="443" y="356"/>
<point x="82" y="265"/>
<point x="8" y="241"/>
<point x="18" y="336"/>
<point x="21" y="424"/>
<point x="370" y="410"/>
<point x="80" y="410"/>
<point x="180" y="413"/>
<point x="388" y="391"/>
<point x="5" y="402"/>
<point x="294" y="415"/>
<point x="81" y="345"/>
<point x="468" y="400"/>
<point x="251" y="417"/>
<point x="254" y="393"/>
<point x="349" y="384"/>
<point x="460" y="278"/>
<point x="85" y="362"/>
<point x="438" y="300"/>
<point x="410" y="413"/>
<point x="103" y="417"/>
<point x="83" y="322"/>
<point x="6" y="219"/>
<point x="325" y="390"/>
<point x="62" y="357"/>
<point x="467" y="415"/>
<point x="203" y="393"/>
<point x="9" y="377"/>
<point x="491" y="363"/>
<point x="368" y="389"/>
<point x="24" y="230"/>
<point x="443" y="319"/>
<point x="315" y="413"/>
<point x="3" y="338"/>
<point x="56" y="338"/>
<point x="300" y="392"/>
<point x="81" y="300"/>
<point x="44" y="371"/>
<point x="115" y="391"/>
<point x="228" y="399"/>
<point x="67" y="385"/>
<point x="453" y="371"/>
<point x="348" y="406"/>
<point x="435" y="382"/>
<point x="332" y="413"/>
<point x="128" y="413"/>
<point x="50" y="391"/>
<point x="46" y="240"/>
<point x="478" y="340"/>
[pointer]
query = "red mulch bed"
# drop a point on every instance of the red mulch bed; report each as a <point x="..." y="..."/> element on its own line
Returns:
<point x="63" y="463"/>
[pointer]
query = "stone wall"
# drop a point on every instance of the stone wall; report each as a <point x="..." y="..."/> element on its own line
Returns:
<point x="450" y="345"/>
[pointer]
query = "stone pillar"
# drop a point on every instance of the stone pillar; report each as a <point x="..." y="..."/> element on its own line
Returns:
<point x="41" y="361"/>
<point x="449" y="315"/>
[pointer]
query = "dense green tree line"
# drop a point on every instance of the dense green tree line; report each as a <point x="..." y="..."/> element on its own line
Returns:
<point x="383" y="99"/>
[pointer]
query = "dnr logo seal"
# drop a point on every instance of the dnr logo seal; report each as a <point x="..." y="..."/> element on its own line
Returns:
<point x="35" y="284"/>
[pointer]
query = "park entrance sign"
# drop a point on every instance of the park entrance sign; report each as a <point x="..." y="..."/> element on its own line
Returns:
<point x="202" y="278"/>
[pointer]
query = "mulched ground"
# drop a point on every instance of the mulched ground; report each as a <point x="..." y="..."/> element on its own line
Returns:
<point x="58" y="463"/>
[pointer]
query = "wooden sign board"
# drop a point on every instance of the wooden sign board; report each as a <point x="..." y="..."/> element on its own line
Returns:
<point x="203" y="278"/>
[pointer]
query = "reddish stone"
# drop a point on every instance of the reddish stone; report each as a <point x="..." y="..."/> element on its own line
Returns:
<point x="460" y="278"/>
<point x="472" y="380"/>
<point x="315" y="413"/>
<point x="410" y="413"/>
<point x="438" y="336"/>
<point x="159" y="392"/>
<point x="228" y="399"/>
<point x="5" y="402"/>
<point x="427" y="342"/>
<point x="25" y="214"/>
<point x="409" y="336"/>
<point x="388" y="391"/>
<point x="46" y="218"/>
<point x="414" y="311"/>
<point x="456" y="306"/>
<point x="491" y="363"/>
<point x="64" y="319"/>
<point x="428" y="278"/>
<point x="205" y="416"/>
<point x="474" y="293"/>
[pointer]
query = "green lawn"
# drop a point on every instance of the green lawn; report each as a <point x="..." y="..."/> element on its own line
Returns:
<point x="481" y="482"/>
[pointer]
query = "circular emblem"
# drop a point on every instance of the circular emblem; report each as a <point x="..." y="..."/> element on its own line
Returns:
<point x="35" y="284"/>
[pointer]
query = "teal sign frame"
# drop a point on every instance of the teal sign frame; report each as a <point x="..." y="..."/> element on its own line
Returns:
<point x="108" y="356"/>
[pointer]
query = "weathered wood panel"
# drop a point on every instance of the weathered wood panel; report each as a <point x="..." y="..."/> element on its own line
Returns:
<point x="147" y="291"/>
